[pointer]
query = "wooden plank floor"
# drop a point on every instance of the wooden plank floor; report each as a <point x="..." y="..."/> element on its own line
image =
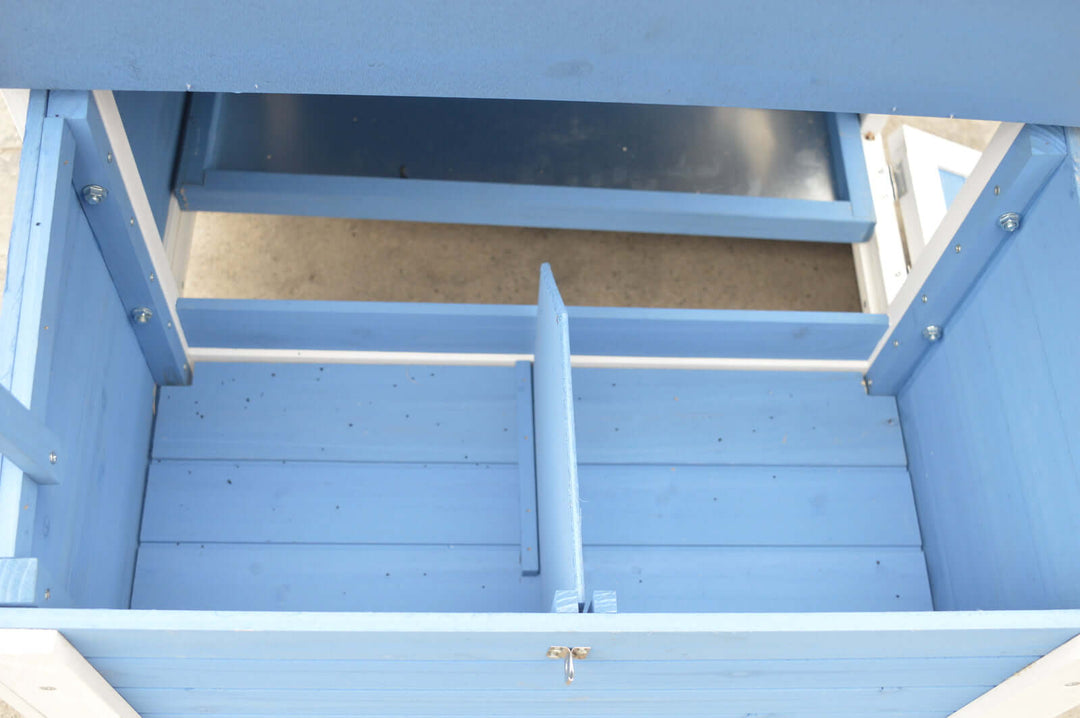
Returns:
<point x="392" y="488"/>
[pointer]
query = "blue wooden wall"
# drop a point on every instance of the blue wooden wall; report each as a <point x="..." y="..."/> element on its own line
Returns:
<point x="73" y="356"/>
<point x="991" y="420"/>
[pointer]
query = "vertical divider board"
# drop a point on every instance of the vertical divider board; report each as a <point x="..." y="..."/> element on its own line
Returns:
<point x="562" y="565"/>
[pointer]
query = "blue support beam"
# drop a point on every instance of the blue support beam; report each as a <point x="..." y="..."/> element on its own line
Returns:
<point x="941" y="59"/>
<point x="562" y="566"/>
<point x="26" y="440"/>
<point x="1014" y="185"/>
<point x="593" y="208"/>
<point x="849" y="169"/>
<point x="509" y="329"/>
<point x="113" y="218"/>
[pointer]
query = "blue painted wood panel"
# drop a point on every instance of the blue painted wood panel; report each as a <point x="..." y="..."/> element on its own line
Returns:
<point x="718" y="171"/>
<point x="341" y="413"/>
<point x="688" y="52"/>
<point x="331" y="502"/>
<point x="900" y="664"/>
<point x="101" y="407"/>
<point x="557" y="701"/>
<point x="558" y="500"/>
<point x="334" y="577"/>
<point x="255" y="674"/>
<point x="90" y="386"/>
<point x="256" y="464"/>
<point x="749" y="579"/>
<point x="527" y="205"/>
<point x="624" y="331"/>
<point x="993" y="429"/>
<point x="679" y="505"/>
<point x="514" y="637"/>
<point x="733" y="417"/>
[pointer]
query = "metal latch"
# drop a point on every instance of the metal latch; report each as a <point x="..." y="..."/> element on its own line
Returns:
<point x="568" y="655"/>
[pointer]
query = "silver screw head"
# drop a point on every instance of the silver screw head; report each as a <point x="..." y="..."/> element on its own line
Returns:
<point x="932" y="333"/>
<point x="94" y="193"/>
<point x="53" y="458"/>
<point x="1010" y="221"/>
<point x="142" y="315"/>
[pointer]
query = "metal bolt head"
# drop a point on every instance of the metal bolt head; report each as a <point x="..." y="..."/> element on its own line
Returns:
<point x="94" y="193"/>
<point x="53" y="458"/>
<point x="141" y="315"/>
<point x="1010" y="221"/>
<point x="932" y="333"/>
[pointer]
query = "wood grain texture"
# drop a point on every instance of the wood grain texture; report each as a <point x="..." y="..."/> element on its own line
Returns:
<point x="340" y="413"/>
<point x="747" y="505"/>
<point x="654" y="579"/>
<point x="627" y="52"/>
<point x="991" y="424"/>
<point x="704" y="417"/>
<point x="485" y="328"/>
<point x="338" y="577"/>
<point x="558" y="498"/>
<point x="80" y="368"/>
<point x="331" y="502"/>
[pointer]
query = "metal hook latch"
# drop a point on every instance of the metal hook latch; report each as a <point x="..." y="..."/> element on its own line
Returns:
<point x="568" y="655"/>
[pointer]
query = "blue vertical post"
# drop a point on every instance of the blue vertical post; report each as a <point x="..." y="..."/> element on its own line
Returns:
<point x="562" y="566"/>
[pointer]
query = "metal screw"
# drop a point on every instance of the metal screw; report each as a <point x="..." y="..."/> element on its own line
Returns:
<point x="997" y="190"/>
<point x="108" y="157"/>
<point x="53" y="457"/>
<point x="932" y="333"/>
<point x="152" y="276"/>
<point x="142" y="315"/>
<point x="958" y="248"/>
<point x="896" y="342"/>
<point x="132" y="221"/>
<point x="925" y="299"/>
<point x="1010" y="221"/>
<point x="94" y="193"/>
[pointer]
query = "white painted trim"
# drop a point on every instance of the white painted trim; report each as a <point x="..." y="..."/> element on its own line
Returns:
<point x="43" y="676"/>
<point x="179" y="230"/>
<point x="873" y="123"/>
<point x="1047" y="688"/>
<point x="978" y="182"/>
<point x="144" y="216"/>
<point x="18" y="103"/>
<point x="880" y="265"/>
<point x="923" y="205"/>
<point x="323" y="356"/>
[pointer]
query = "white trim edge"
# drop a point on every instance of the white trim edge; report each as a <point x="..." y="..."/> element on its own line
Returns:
<point x="43" y="676"/>
<point x="582" y="361"/>
<point x="1048" y="688"/>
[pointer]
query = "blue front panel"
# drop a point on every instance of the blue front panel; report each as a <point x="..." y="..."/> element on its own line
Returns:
<point x="992" y="422"/>
<point x="272" y="664"/>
